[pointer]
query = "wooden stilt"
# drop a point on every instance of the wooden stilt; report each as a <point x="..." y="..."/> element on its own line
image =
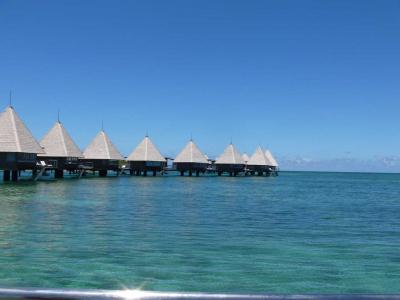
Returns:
<point x="182" y="173"/>
<point x="14" y="175"/>
<point x="154" y="173"/>
<point x="59" y="173"/>
<point x="6" y="175"/>
<point x="190" y="173"/>
<point x="144" y="173"/>
<point x="197" y="173"/>
<point x="103" y="173"/>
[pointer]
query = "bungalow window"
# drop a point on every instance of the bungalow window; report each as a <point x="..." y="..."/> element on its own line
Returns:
<point x="53" y="163"/>
<point x="72" y="159"/>
<point x="26" y="157"/>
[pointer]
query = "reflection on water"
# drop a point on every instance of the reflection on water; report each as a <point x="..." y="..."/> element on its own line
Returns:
<point x="300" y="232"/>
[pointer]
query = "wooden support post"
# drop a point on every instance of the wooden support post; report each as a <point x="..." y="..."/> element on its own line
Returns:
<point x="197" y="173"/>
<point x="182" y="173"/>
<point x="235" y="174"/>
<point x="190" y="173"/>
<point x="103" y="173"/>
<point x="144" y="173"/>
<point x="154" y="173"/>
<point x="14" y="175"/>
<point x="230" y="174"/>
<point x="131" y="172"/>
<point x="260" y="173"/>
<point x="219" y="173"/>
<point x="6" y="175"/>
<point x="58" y="173"/>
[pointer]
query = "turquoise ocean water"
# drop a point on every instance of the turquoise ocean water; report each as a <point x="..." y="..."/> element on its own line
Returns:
<point x="297" y="233"/>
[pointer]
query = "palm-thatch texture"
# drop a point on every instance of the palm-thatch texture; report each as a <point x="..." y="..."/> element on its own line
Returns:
<point x="146" y="151"/>
<point x="58" y="143"/>
<point x="191" y="154"/>
<point x="101" y="147"/>
<point x="230" y="156"/>
<point x="15" y="136"/>
<point x="259" y="158"/>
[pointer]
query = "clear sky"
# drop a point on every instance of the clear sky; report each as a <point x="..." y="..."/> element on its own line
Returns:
<point x="308" y="79"/>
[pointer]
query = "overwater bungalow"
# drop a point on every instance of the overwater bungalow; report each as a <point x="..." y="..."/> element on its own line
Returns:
<point x="230" y="161"/>
<point x="274" y="164"/>
<point x="101" y="155"/>
<point x="61" y="152"/>
<point x="18" y="147"/>
<point x="190" y="160"/>
<point x="259" y="163"/>
<point x="146" y="158"/>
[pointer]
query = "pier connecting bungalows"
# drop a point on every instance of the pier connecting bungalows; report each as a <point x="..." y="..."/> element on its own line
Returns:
<point x="259" y="163"/>
<point x="61" y="152"/>
<point x="18" y="147"/>
<point x="190" y="160"/>
<point x="146" y="158"/>
<point x="101" y="155"/>
<point x="230" y="161"/>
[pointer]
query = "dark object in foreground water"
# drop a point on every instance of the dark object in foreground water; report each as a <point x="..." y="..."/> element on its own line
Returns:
<point x="35" y="294"/>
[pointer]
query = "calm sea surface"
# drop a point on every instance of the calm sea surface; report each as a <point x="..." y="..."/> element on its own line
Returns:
<point x="299" y="232"/>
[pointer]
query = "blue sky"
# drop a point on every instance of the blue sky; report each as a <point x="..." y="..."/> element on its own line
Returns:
<point x="311" y="80"/>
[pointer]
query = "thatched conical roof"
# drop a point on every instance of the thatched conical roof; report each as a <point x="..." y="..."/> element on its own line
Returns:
<point x="15" y="136"/>
<point x="230" y="156"/>
<point x="146" y="151"/>
<point x="271" y="158"/>
<point x="245" y="157"/>
<point x="259" y="158"/>
<point x="58" y="143"/>
<point x="101" y="147"/>
<point x="191" y="154"/>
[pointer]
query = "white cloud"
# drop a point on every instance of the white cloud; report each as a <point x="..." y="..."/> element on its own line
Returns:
<point x="342" y="164"/>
